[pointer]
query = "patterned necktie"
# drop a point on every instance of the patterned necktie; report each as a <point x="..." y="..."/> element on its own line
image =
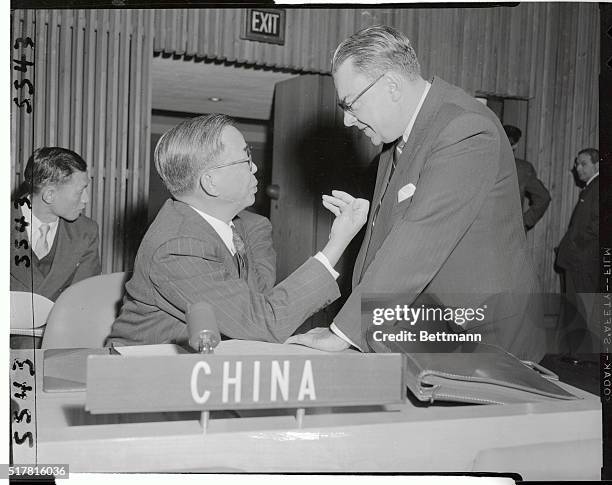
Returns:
<point x="240" y="255"/>
<point x="397" y="152"/>
<point x="42" y="246"/>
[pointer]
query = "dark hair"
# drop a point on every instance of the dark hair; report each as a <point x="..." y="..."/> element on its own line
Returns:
<point x="593" y="153"/>
<point x="185" y="150"/>
<point x="513" y="133"/>
<point x="50" y="165"/>
<point x="377" y="49"/>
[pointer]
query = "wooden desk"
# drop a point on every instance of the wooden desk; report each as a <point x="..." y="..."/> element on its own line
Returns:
<point x="547" y="440"/>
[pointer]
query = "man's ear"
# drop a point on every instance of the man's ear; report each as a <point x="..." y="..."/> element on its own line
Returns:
<point x="48" y="194"/>
<point x="395" y="85"/>
<point x="208" y="185"/>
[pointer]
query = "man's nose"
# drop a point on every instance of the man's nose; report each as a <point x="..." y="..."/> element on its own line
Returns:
<point x="85" y="197"/>
<point x="253" y="168"/>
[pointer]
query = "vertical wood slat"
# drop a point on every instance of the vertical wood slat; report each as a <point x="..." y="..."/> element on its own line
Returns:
<point x="145" y="117"/>
<point x="17" y="27"/>
<point x="64" y="63"/>
<point x="15" y="20"/>
<point x="111" y="137"/>
<point x="77" y="83"/>
<point x="100" y="89"/>
<point x="39" y="128"/>
<point x="89" y="82"/>
<point x="133" y="157"/>
<point x="51" y="85"/>
<point x="26" y="120"/>
<point x="121" y="202"/>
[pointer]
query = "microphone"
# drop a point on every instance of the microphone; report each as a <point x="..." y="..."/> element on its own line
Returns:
<point x="202" y="327"/>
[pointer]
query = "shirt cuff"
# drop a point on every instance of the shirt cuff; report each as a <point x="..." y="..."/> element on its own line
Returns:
<point x="325" y="262"/>
<point x="339" y="333"/>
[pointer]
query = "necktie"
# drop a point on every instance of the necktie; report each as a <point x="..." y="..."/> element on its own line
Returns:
<point x="397" y="152"/>
<point x="240" y="255"/>
<point x="42" y="246"/>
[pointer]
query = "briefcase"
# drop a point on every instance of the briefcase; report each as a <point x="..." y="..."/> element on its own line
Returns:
<point x="487" y="375"/>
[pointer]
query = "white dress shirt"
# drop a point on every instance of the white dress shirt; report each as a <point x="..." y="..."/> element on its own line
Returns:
<point x="591" y="179"/>
<point x="405" y="136"/>
<point x="33" y="227"/>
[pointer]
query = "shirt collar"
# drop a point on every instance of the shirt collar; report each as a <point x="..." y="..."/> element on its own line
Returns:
<point x="223" y="229"/>
<point x="591" y="179"/>
<point x="416" y="112"/>
<point x="35" y="222"/>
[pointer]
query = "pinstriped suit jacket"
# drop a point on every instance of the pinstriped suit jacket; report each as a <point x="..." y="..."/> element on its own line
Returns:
<point x="460" y="237"/>
<point x="182" y="260"/>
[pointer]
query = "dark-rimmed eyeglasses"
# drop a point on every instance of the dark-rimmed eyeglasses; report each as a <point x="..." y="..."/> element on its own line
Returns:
<point x="248" y="160"/>
<point x="348" y="107"/>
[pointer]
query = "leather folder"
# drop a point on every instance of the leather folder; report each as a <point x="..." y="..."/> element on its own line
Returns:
<point x="487" y="375"/>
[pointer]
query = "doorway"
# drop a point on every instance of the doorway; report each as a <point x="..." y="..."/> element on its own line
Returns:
<point x="510" y="111"/>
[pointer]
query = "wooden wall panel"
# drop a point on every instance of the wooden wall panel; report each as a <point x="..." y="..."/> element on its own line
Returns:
<point x="92" y="95"/>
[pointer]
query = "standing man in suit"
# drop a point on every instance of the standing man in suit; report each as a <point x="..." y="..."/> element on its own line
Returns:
<point x="446" y="224"/>
<point x="62" y="241"/>
<point x="578" y="260"/>
<point x="530" y="187"/>
<point x="202" y="247"/>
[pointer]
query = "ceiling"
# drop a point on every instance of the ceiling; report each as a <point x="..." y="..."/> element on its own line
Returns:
<point x="186" y="86"/>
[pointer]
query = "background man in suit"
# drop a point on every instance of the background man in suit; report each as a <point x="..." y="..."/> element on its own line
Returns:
<point x="445" y="224"/>
<point x="202" y="246"/>
<point x="58" y="245"/>
<point x="63" y="242"/>
<point x="530" y="187"/>
<point x="578" y="260"/>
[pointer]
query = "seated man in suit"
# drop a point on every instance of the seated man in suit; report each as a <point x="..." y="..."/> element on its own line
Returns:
<point x="52" y="244"/>
<point x="530" y="186"/>
<point x="203" y="247"/>
<point x="578" y="260"/>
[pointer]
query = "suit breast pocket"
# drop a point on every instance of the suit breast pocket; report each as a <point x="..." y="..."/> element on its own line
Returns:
<point x="401" y="207"/>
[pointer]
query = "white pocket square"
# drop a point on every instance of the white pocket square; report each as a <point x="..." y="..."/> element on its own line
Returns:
<point x="405" y="192"/>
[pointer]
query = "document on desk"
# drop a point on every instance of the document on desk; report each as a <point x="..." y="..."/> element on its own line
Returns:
<point x="150" y="350"/>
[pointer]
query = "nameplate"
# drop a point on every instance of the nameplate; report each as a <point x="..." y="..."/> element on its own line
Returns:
<point x="117" y="384"/>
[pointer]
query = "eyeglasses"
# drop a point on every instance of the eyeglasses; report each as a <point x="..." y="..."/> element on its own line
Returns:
<point x="348" y="107"/>
<point x="248" y="160"/>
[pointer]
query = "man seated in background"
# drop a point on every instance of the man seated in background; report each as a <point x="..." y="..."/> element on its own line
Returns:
<point x="203" y="247"/>
<point x="52" y="244"/>
<point x="530" y="187"/>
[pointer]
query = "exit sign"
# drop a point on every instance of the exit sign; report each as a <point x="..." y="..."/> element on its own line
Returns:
<point x="264" y="25"/>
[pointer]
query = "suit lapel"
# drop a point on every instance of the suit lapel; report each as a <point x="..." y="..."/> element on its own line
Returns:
<point x="199" y="224"/>
<point x="63" y="261"/>
<point x="406" y="169"/>
<point x="384" y="167"/>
